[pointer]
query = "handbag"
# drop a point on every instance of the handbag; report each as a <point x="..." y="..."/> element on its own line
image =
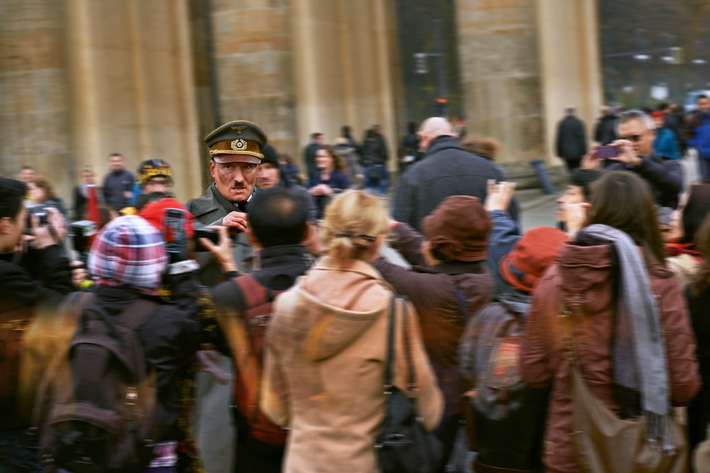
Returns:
<point x="604" y="443"/>
<point x="404" y="445"/>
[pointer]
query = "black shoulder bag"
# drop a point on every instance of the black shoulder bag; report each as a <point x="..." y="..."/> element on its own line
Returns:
<point x="404" y="445"/>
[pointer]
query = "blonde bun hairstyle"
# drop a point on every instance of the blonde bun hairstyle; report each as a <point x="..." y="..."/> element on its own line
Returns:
<point x="352" y="223"/>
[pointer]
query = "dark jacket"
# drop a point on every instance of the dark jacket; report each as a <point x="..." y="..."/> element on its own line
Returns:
<point x="374" y="151"/>
<point x="37" y="276"/>
<point x="447" y="169"/>
<point x="209" y="209"/>
<point x="605" y="129"/>
<point x="80" y="200"/>
<point x="31" y="286"/>
<point x="338" y="181"/>
<point x="309" y="157"/>
<point x="432" y="291"/>
<point x="583" y="279"/>
<point x="571" y="141"/>
<point x="115" y="184"/>
<point x="169" y="337"/>
<point x="665" y="176"/>
<point x="699" y="408"/>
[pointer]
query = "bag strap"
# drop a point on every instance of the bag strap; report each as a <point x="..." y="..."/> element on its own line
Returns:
<point x="411" y="380"/>
<point x="390" y="346"/>
<point x="137" y="313"/>
<point x="253" y="291"/>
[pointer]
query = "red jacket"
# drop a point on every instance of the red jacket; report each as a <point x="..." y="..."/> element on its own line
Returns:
<point x="585" y="273"/>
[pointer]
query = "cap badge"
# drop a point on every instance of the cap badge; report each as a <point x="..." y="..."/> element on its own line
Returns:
<point x="239" y="128"/>
<point x="239" y="145"/>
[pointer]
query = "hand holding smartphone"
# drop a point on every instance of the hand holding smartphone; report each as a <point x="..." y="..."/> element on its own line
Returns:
<point x="606" y="152"/>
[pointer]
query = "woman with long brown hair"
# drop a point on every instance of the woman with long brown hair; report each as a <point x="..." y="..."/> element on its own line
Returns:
<point x="330" y="179"/>
<point x="613" y="283"/>
<point x="42" y="193"/>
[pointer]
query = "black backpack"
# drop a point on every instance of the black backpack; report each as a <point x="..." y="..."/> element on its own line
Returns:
<point x="96" y="406"/>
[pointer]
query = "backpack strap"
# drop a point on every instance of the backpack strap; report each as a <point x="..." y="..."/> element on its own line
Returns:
<point x="253" y="292"/>
<point x="137" y="313"/>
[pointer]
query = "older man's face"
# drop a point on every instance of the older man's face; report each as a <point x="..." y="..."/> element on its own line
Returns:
<point x="641" y="137"/>
<point x="235" y="181"/>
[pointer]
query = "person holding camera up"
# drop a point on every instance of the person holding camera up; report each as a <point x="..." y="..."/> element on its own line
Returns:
<point x="34" y="274"/>
<point x="633" y="152"/>
<point x="236" y="153"/>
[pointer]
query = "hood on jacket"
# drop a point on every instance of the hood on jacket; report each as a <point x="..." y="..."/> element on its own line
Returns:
<point x="332" y="307"/>
<point x="586" y="268"/>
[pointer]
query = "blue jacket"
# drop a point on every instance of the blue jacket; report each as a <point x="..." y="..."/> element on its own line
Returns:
<point x="666" y="143"/>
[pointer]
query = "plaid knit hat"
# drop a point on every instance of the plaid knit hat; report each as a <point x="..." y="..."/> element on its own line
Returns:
<point x="523" y="267"/>
<point x="458" y="229"/>
<point x="128" y="251"/>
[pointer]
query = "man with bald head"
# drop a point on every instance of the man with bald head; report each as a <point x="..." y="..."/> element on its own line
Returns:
<point x="446" y="169"/>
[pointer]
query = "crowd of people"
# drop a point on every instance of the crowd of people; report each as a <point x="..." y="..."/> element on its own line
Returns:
<point x="261" y="309"/>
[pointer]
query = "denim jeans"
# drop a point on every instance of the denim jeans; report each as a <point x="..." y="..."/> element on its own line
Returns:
<point x="378" y="185"/>
<point x="16" y="457"/>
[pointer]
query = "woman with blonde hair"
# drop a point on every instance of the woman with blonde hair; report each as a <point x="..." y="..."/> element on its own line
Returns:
<point x="326" y="348"/>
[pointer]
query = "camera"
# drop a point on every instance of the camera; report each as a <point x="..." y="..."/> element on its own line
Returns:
<point x="81" y="233"/>
<point x="42" y="213"/>
<point x="203" y="232"/>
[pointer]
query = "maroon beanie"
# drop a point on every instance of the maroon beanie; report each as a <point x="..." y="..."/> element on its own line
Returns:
<point x="523" y="267"/>
<point x="458" y="229"/>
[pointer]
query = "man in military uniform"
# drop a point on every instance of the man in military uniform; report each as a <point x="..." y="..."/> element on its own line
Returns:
<point x="236" y="153"/>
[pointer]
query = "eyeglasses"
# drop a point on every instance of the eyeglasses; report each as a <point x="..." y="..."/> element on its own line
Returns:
<point x="229" y="169"/>
<point x="633" y="138"/>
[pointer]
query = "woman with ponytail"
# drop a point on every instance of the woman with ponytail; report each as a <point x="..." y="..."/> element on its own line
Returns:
<point x="327" y="344"/>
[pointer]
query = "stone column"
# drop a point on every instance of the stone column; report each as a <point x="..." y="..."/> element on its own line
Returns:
<point x="34" y="102"/>
<point x="522" y="61"/>
<point x="568" y="41"/>
<point x="131" y="85"/>
<point x="343" y="68"/>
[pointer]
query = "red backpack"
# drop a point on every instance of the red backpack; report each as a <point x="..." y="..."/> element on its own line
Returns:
<point x="246" y="334"/>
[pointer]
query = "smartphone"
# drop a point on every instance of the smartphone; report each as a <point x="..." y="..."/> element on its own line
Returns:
<point x="174" y="230"/>
<point x="605" y="152"/>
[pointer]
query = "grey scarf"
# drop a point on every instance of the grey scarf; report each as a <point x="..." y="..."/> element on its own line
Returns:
<point x="639" y="355"/>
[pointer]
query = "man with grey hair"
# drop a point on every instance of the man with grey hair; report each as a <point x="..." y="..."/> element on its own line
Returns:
<point x="446" y="169"/>
<point x="636" y="132"/>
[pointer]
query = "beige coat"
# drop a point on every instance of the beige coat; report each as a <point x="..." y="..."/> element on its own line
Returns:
<point x="324" y="369"/>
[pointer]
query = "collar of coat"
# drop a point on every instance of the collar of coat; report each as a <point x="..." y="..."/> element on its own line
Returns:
<point x="355" y="266"/>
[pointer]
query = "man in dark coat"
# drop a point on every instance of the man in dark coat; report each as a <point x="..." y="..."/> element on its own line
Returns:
<point x="636" y="134"/>
<point x="446" y="169"/>
<point x="571" y="141"/>
<point x="118" y="184"/>
<point x="605" y="129"/>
